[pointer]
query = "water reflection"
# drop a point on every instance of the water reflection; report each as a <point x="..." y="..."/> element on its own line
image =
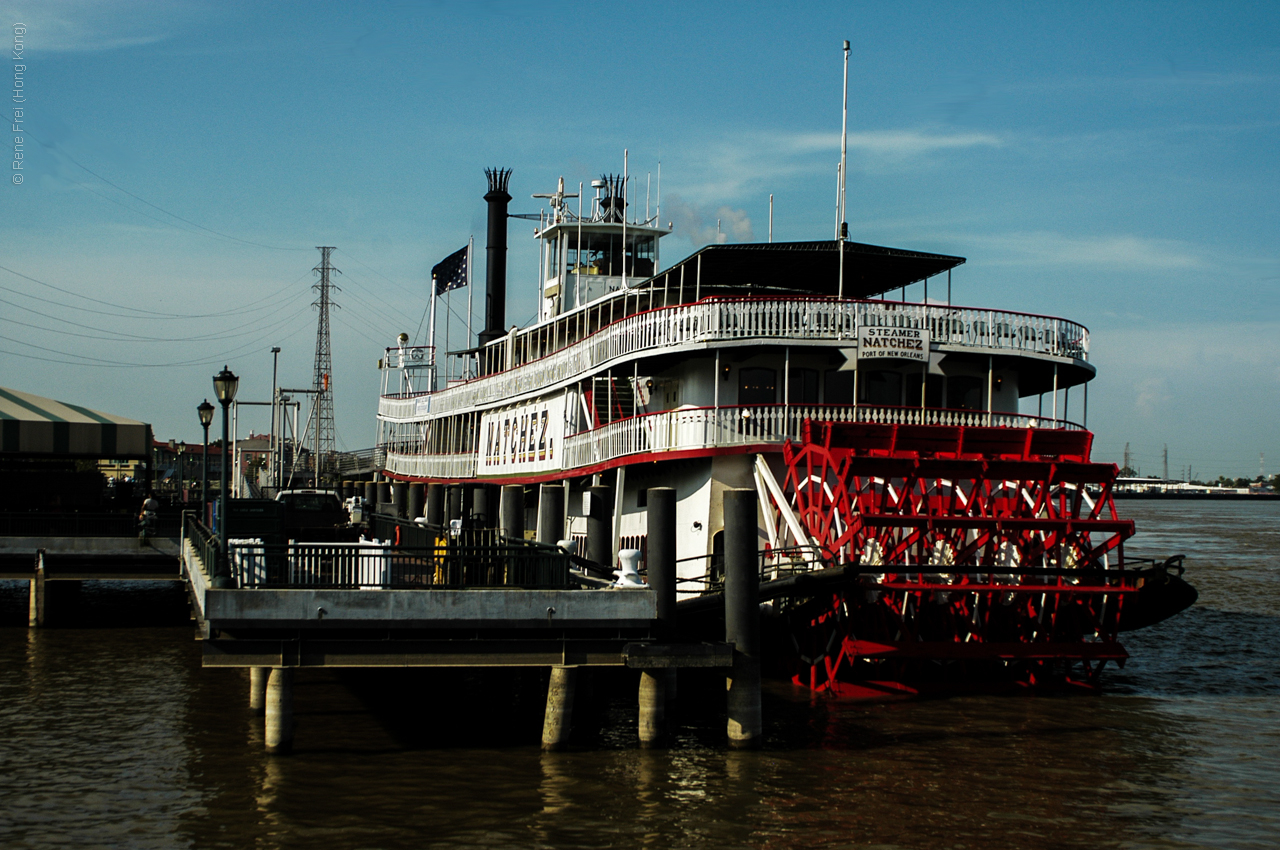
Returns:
<point x="117" y="737"/>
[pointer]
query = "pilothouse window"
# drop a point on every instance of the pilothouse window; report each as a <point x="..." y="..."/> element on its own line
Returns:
<point x="601" y="253"/>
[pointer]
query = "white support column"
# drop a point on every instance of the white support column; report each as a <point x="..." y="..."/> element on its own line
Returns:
<point x="990" y="384"/>
<point x="1055" y="393"/>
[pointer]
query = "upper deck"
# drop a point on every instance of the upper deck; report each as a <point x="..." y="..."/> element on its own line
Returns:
<point x="633" y="324"/>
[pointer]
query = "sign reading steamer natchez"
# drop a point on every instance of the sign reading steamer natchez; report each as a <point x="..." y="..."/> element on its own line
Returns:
<point x="523" y="438"/>
<point x="903" y="343"/>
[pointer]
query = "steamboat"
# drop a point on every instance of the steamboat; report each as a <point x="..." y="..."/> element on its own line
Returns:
<point x="916" y="528"/>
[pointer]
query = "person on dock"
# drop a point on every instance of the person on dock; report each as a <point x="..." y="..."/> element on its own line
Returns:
<point x="147" y="516"/>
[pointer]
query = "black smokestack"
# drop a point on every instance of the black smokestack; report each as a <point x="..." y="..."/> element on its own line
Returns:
<point x="495" y="278"/>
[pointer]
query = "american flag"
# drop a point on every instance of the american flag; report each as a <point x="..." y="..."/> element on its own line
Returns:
<point x="451" y="272"/>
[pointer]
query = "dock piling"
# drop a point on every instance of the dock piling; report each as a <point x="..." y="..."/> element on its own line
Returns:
<point x="258" y="689"/>
<point x="435" y="505"/>
<point x="661" y="568"/>
<point x="600" y="525"/>
<point x="653" y="707"/>
<point x="400" y="498"/>
<point x="36" y="597"/>
<point x="550" y="514"/>
<point x="453" y="503"/>
<point x="482" y="503"/>
<point x="279" y="710"/>
<point x="417" y="499"/>
<point x="558" y="720"/>
<point x="742" y="616"/>
<point x="512" y="511"/>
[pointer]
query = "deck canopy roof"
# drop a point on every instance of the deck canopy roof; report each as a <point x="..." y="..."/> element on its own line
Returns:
<point x="808" y="267"/>
<point x="41" y="427"/>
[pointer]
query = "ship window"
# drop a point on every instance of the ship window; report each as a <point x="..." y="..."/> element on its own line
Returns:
<point x="964" y="392"/>
<point x="882" y="388"/>
<point x="839" y="387"/>
<point x="757" y="386"/>
<point x="601" y="253"/>
<point x="803" y="386"/>
<point x="642" y="253"/>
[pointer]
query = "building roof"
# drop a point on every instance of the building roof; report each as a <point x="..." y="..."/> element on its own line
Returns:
<point x="869" y="270"/>
<point x="38" y="426"/>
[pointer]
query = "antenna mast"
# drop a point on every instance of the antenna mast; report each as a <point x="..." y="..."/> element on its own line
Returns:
<point x="842" y="232"/>
<point x="322" y="382"/>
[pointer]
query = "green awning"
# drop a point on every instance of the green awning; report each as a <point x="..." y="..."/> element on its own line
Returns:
<point x="37" y="426"/>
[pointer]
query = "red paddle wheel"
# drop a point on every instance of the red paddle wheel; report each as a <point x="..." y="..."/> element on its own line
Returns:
<point x="980" y="553"/>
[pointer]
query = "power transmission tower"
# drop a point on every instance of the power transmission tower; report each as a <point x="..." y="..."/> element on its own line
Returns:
<point x="1126" y="459"/>
<point x="1166" y="461"/>
<point x="322" y="382"/>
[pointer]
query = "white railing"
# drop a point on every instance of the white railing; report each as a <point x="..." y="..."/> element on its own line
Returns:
<point x="708" y="428"/>
<point x="432" y="466"/>
<point x="714" y="320"/>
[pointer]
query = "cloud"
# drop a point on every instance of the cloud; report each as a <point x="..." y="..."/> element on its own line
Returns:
<point x="703" y="227"/>
<point x="736" y="165"/>
<point x="1132" y="253"/>
<point x="74" y="26"/>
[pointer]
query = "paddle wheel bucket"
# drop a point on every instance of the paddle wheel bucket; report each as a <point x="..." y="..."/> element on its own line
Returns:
<point x="976" y="553"/>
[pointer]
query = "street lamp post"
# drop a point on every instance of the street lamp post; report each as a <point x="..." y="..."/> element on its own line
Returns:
<point x="273" y="475"/>
<point x="225" y="384"/>
<point x="206" y="419"/>
<point x="182" y="472"/>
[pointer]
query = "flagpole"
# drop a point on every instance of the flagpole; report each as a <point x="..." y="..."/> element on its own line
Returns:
<point x="431" y="337"/>
<point x="470" y="289"/>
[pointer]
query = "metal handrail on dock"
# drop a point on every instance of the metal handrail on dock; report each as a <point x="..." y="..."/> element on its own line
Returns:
<point x="203" y="541"/>
<point x="376" y="565"/>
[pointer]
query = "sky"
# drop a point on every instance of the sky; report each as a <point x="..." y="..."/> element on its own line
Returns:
<point x="1114" y="164"/>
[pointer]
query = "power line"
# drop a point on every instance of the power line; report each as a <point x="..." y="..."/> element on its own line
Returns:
<point x="78" y="164"/>
<point x="145" y="314"/>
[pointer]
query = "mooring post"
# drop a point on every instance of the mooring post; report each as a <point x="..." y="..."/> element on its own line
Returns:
<point x="35" y="600"/>
<point x="258" y="689"/>
<point x="512" y="511"/>
<point x="385" y="496"/>
<point x="279" y="709"/>
<point x="435" y="505"/>
<point x="661" y="568"/>
<point x="400" y="498"/>
<point x="600" y="525"/>
<point x="742" y="616"/>
<point x="417" y="499"/>
<point x="550" y="514"/>
<point x="371" y="496"/>
<point x="558" y="721"/>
